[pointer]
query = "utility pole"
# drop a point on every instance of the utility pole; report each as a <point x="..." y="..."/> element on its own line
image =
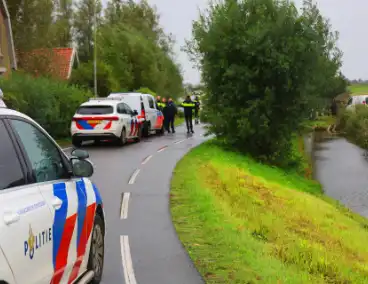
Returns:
<point x="95" y="48"/>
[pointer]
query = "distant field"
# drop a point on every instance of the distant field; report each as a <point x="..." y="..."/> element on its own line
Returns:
<point x="359" y="88"/>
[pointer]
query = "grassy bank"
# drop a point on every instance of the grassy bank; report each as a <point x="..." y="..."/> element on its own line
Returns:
<point x="358" y="88"/>
<point x="320" y="123"/>
<point x="243" y="222"/>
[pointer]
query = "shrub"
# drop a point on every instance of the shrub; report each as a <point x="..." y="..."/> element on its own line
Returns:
<point x="355" y="125"/>
<point x="51" y="103"/>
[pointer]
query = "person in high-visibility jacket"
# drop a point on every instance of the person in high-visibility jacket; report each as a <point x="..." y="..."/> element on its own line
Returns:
<point x="188" y="106"/>
<point x="160" y="104"/>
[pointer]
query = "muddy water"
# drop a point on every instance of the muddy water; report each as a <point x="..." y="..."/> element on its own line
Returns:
<point x="342" y="169"/>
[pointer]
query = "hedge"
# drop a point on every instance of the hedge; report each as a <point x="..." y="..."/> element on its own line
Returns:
<point x="51" y="103"/>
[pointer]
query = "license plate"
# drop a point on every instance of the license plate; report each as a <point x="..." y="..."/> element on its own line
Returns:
<point x="94" y="121"/>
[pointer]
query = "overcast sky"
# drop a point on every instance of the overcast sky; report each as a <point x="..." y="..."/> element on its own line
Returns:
<point x="347" y="17"/>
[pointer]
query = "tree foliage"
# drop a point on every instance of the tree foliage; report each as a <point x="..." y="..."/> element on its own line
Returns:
<point x="261" y="62"/>
<point x="131" y="41"/>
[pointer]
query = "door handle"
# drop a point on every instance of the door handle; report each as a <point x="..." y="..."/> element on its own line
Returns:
<point x="11" y="217"/>
<point x="56" y="203"/>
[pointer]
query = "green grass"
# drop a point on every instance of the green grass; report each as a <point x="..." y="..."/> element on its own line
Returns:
<point x="359" y="88"/>
<point x="244" y="222"/>
<point x="65" y="142"/>
<point x="321" y="123"/>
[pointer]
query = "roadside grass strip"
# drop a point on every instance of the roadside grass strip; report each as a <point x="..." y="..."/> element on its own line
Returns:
<point x="244" y="222"/>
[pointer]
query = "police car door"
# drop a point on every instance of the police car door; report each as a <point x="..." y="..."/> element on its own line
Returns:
<point x="124" y="117"/>
<point x="133" y="122"/>
<point x="152" y="112"/>
<point x="66" y="199"/>
<point x="25" y="219"/>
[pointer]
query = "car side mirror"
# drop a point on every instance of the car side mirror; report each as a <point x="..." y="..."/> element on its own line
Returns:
<point x="82" y="168"/>
<point x="135" y="112"/>
<point x="80" y="154"/>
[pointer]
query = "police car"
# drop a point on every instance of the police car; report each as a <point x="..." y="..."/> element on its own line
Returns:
<point x="52" y="224"/>
<point x="149" y="116"/>
<point x="105" y="119"/>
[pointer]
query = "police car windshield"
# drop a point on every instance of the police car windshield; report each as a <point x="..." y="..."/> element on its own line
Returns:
<point x="95" y="110"/>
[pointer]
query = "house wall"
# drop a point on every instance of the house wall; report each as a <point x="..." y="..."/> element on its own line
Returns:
<point x="4" y="46"/>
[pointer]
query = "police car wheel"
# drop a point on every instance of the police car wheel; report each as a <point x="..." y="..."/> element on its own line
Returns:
<point x="123" y="139"/>
<point x="147" y="129"/>
<point x="139" y="135"/>
<point x="97" y="250"/>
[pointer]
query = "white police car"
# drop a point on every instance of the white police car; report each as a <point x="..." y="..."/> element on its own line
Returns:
<point x="105" y="119"/>
<point x="52" y="224"/>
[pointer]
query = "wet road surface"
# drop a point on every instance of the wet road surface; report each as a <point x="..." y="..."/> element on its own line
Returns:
<point x="342" y="169"/>
<point x="134" y="181"/>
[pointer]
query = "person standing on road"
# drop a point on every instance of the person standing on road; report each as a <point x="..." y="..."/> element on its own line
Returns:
<point x="188" y="106"/>
<point x="170" y="111"/>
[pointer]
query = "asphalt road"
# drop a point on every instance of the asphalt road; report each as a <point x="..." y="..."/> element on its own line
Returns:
<point x="134" y="181"/>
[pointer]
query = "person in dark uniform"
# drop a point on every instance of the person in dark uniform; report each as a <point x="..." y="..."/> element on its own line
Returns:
<point x="170" y="111"/>
<point x="188" y="106"/>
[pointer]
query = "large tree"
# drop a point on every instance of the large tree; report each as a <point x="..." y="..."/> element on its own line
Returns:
<point x="258" y="61"/>
<point x="83" y="24"/>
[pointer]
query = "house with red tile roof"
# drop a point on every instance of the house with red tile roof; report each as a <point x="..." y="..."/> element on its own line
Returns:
<point x="7" y="52"/>
<point x="57" y="63"/>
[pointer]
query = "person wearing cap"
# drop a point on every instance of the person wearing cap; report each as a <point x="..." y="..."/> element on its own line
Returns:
<point x="188" y="106"/>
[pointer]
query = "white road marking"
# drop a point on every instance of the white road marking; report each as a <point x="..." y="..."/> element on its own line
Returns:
<point x="180" y="141"/>
<point x="145" y="161"/>
<point x="162" y="149"/>
<point x="134" y="176"/>
<point x="127" y="261"/>
<point x="125" y="206"/>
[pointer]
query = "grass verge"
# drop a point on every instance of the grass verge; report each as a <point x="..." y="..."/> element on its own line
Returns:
<point x="244" y="222"/>
<point x="321" y="123"/>
<point x="358" y="88"/>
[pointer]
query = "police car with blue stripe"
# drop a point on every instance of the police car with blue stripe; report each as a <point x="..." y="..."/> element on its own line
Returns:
<point x="52" y="225"/>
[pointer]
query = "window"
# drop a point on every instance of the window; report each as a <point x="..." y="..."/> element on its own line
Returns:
<point x="90" y="110"/>
<point x="11" y="174"/>
<point x="46" y="161"/>
<point x="121" y="109"/>
<point x="151" y="102"/>
<point x="128" y="109"/>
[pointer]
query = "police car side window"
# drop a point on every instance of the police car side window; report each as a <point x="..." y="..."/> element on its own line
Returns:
<point x="45" y="158"/>
<point x="151" y="103"/>
<point x="11" y="174"/>
<point x="121" y="109"/>
<point x="128" y="109"/>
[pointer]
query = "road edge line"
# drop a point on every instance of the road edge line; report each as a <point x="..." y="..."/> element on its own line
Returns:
<point x="134" y="176"/>
<point x="127" y="261"/>
<point x="125" y="206"/>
